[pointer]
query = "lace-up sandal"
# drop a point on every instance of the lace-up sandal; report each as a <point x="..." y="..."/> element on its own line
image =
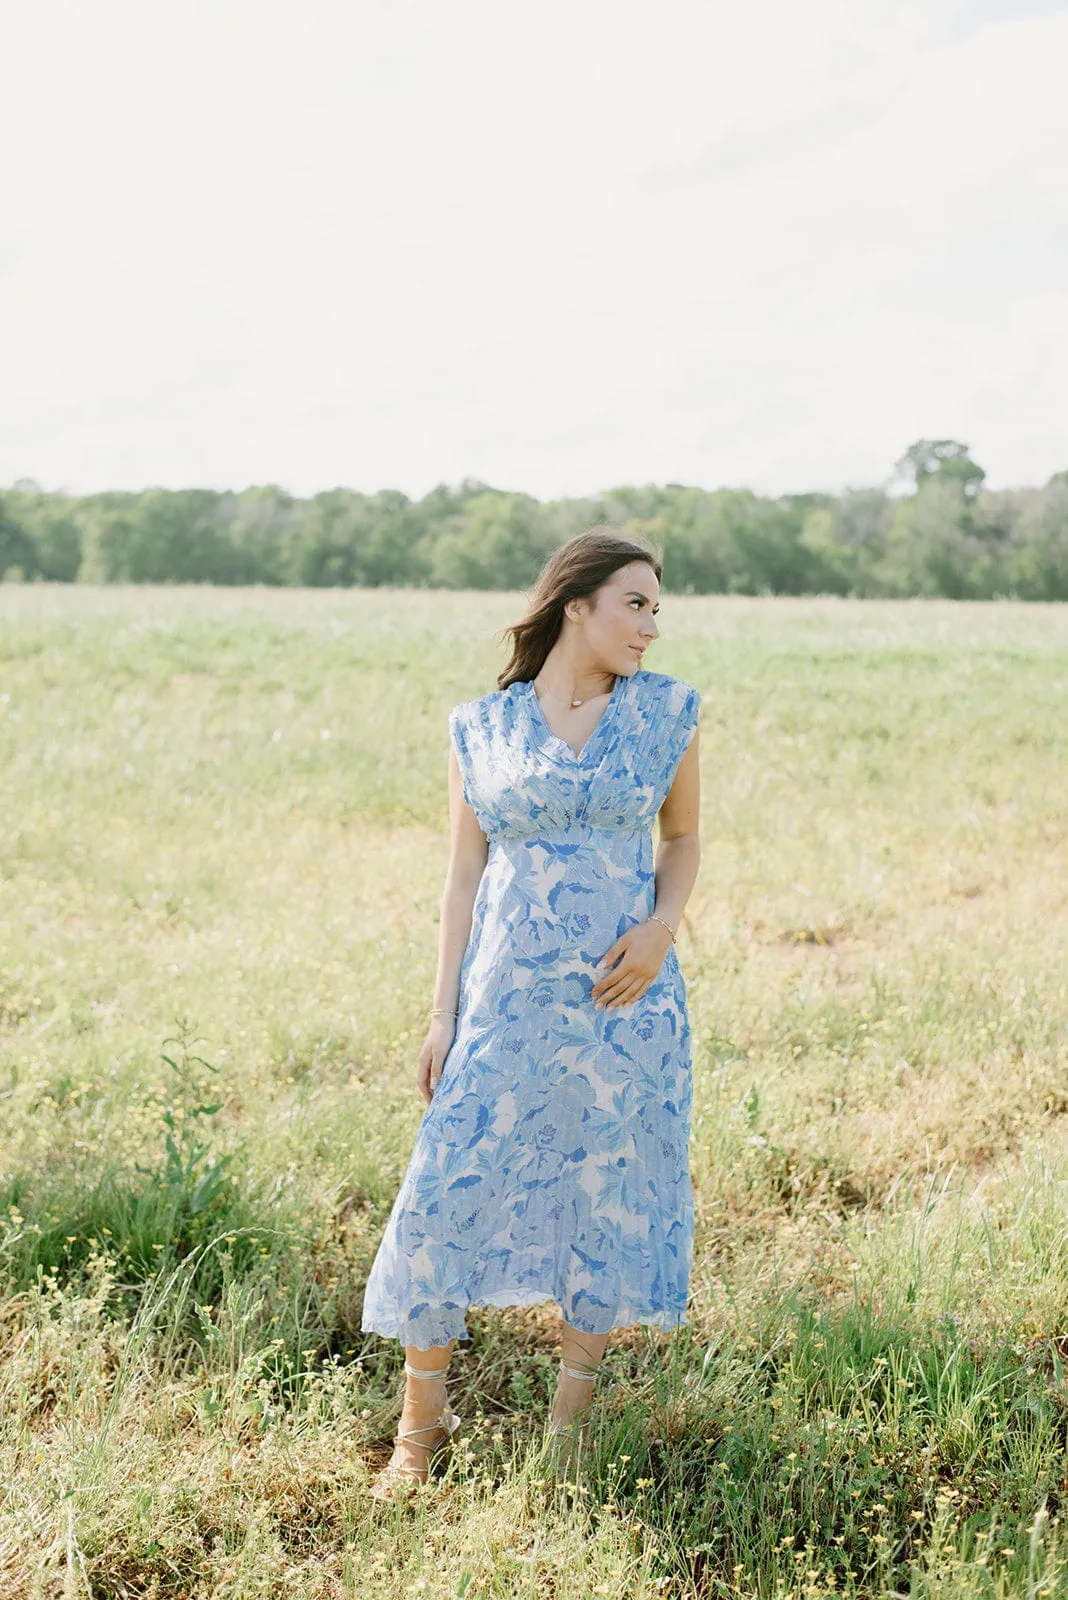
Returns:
<point x="564" y="1436"/>
<point x="398" y="1479"/>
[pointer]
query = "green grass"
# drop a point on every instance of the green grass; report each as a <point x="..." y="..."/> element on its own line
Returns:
<point x="223" y="837"/>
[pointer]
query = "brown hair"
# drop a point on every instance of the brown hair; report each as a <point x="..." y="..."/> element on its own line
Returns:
<point x="574" y="570"/>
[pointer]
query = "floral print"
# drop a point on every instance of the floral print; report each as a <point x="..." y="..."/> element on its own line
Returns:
<point x="552" y="1162"/>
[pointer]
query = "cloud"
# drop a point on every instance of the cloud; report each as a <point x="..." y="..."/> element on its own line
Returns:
<point x="553" y="248"/>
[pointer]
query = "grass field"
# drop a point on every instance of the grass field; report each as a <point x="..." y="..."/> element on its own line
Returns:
<point x="223" y="836"/>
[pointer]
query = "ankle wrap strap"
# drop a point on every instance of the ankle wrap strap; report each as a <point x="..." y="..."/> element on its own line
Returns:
<point x="574" y="1372"/>
<point x="424" y="1372"/>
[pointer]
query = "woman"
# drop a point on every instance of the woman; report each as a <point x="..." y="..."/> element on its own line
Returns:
<point x="552" y="1162"/>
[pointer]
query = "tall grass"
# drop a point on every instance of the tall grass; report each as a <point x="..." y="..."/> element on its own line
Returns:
<point x="222" y="842"/>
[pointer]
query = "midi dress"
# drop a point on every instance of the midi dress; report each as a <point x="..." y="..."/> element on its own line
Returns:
<point x="552" y="1162"/>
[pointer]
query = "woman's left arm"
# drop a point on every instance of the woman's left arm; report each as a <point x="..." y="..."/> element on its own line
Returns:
<point x="678" y="853"/>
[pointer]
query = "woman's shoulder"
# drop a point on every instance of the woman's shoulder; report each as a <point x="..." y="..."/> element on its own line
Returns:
<point x="483" y="706"/>
<point x="672" y="693"/>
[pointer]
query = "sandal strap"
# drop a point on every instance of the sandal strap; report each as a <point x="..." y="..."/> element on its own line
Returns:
<point x="408" y="1436"/>
<point x="447" y="1423"/>
<point x="574" y="1372"/>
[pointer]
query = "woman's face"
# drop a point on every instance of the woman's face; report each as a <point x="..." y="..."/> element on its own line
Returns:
<point x="622" y="623"/>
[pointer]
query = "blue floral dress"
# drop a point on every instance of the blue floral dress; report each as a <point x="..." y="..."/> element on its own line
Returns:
<point x="552" y="1162"/>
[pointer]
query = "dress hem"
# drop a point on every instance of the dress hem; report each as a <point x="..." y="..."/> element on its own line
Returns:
<point x="626" y="1317"/>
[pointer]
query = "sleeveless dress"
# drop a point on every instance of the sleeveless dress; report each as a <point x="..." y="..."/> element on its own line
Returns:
<point x="552" y="1162"/>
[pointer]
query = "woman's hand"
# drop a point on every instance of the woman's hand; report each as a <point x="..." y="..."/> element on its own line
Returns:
<point x="642" y="949"/>
<point x="436" y="1046"/>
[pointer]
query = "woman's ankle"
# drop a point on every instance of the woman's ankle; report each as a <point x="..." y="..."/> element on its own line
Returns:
<point x="572" y="1399"/>
<point x="423" y="1400"/>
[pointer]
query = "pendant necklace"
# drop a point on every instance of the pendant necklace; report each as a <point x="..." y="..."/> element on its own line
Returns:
<point x="576" y="702"/>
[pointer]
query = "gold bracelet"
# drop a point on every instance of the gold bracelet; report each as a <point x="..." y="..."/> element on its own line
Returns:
<point x="667" y="925"/>
<point x="442" y="1011"/>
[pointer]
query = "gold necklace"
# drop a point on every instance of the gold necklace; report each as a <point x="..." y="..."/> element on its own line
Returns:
<point x="552" y="696"/>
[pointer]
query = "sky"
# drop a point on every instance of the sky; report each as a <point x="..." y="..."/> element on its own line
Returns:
<point x="556" y="247"/>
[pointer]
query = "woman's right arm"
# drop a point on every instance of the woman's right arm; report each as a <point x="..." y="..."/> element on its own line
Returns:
<point x="468" y="853"/>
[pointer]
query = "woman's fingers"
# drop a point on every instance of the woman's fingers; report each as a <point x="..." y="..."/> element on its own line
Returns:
<point x="437" y="1067"/>
<point x="624" y="990"/>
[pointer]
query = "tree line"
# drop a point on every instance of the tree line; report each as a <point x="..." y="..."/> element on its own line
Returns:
<point x="933" y="529"/>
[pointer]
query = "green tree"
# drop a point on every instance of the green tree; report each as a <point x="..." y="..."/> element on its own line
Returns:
<point x="176" y="538"/>
<point x="330" y="550"/>
<point x="107" y="524"/>
<point x="57" y="538"/>
<point x="261" y="525"/>
<point x="17" y="554"/>
<point x="946" y="460"/>
<point x="930" y="547"/>
<point x="1038" y="559"/>
<point x="496" y="542"/>
<point x="160" y="536"/>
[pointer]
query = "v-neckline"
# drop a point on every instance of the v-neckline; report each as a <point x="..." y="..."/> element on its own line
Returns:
<point x="595" y="732"/>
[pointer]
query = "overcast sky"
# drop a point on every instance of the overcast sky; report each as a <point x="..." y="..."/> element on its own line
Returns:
<point x="555" y="246"/>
